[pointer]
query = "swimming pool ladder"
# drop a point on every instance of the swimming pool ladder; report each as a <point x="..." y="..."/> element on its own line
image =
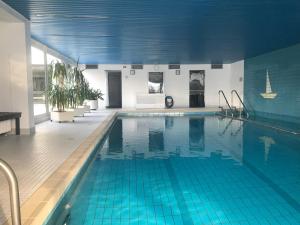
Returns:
<point x="13" y="192"/>
<point x="245" y="110"/>
<point x="221" y="107"/>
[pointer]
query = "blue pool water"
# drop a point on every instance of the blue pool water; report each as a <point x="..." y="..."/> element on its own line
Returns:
<point x="190" y="170"/>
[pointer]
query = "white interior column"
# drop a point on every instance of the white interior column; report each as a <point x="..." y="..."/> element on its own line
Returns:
<point x="16" y="94"/>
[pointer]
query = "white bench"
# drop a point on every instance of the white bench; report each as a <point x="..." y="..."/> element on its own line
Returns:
<point x="150" y="101"/>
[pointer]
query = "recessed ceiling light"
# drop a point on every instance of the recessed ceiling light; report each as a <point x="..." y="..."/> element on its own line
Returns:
<point x="80" y="35"/>
<point x="72" y="16"/>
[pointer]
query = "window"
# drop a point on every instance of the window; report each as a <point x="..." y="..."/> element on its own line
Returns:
<point x="40" y="59"/>
<point x="37" y="56"/>
<point x="52" y="59"/>
<point x="39" y="81"/>
<point x="155" y="83"/>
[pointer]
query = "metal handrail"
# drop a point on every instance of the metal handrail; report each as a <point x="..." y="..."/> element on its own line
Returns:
<point x="13" y="192"/>
<point x="222" y="92"/>
<point x="241" y="101"/>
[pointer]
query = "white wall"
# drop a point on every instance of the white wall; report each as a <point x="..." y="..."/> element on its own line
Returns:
<point x="97" y="80"/>
<point x="15" y="74"/>
<point x="177" y="86"/>
<point x="237" y="81"/>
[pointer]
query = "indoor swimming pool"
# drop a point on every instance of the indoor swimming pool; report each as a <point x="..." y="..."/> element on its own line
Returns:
<point x="189" y="170"/>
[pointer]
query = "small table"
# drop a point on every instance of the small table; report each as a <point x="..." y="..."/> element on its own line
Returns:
<point x="12" y="115"/>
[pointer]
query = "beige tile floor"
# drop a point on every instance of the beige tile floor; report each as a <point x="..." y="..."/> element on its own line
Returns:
<point x="36" y="157"/>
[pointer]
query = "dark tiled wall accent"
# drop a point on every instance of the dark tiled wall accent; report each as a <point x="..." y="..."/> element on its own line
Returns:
<point x="284" y="73"/>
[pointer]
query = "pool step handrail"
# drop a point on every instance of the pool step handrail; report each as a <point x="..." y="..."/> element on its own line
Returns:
<point x="13" y="192"/>
<point x="230" y="108"/>
<point x="241" y="101"/>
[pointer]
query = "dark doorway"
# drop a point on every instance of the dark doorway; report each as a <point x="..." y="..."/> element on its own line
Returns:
<point x="197" y="78"/>
<point x="114" y="83"/>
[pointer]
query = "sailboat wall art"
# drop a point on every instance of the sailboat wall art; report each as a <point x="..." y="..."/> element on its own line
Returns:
<point x="268" y="94"/>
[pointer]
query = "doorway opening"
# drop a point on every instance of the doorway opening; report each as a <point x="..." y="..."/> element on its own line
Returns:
<point x="114" y="85"/>
<point x="197" y="85"/>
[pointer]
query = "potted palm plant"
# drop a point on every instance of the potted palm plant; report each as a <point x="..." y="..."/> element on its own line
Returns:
<point x="93" y="96"/>
<point x="85" y="94"/>
<point x="58" y="93"/>
<point x="77" y="91"/>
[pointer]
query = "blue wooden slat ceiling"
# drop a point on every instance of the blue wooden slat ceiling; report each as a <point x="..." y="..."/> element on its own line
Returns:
<point x="162" y="31"/>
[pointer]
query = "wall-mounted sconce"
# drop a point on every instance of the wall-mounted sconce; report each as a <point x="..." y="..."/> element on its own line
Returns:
<point x="177" y="72"/>
<point x="132" y="72"/>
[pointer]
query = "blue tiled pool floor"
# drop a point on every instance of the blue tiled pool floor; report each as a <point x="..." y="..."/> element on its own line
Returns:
<point x="151" y="172"/>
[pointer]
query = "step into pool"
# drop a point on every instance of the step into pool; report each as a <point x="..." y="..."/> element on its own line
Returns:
<point x="188" y="170"/>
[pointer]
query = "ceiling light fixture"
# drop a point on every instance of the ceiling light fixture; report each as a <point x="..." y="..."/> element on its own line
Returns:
<point x="71" y="16"/>
<point x="80" y="35"/>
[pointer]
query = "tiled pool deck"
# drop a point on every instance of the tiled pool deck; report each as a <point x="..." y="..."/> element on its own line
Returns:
<point x="45" y="163"/>
<point x="34" y="158"/>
